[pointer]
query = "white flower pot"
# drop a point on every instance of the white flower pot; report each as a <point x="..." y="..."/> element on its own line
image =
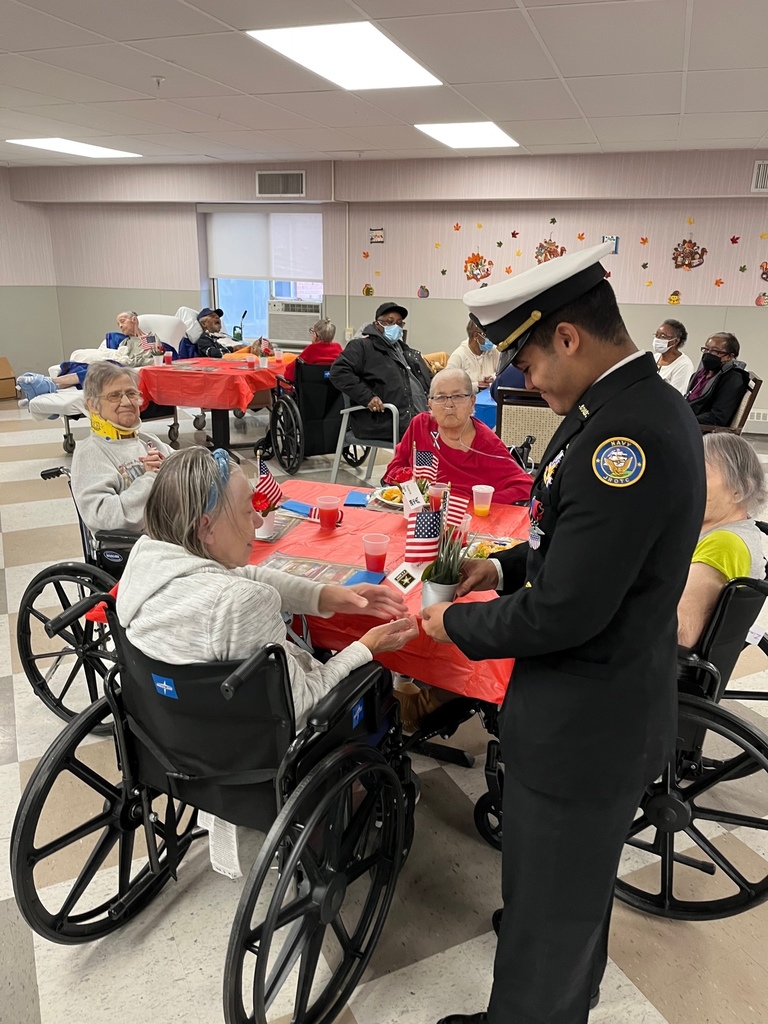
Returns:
<point x="267" y="528"/>
<point x="433" y="593"/>
<point x="157" y="360"/>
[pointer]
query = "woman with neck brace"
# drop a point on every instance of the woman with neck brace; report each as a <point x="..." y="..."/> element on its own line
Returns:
<point x="113" y="469"/>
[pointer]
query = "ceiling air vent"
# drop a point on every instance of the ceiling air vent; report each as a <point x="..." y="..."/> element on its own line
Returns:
<point x="273" y="184"/>
<point x="760" y="177"/>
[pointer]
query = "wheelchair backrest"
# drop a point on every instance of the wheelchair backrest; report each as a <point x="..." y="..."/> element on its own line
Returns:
<point x="219" y="755"/>
<point x="320" y="405"/>
<point x="722" y="641"/>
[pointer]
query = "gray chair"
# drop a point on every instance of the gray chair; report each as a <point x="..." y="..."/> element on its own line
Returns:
<point x="347" y="438"/>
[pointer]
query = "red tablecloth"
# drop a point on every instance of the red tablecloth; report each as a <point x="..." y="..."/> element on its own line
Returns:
<point x="207" y="383"/>
<point x="439" y="664"/>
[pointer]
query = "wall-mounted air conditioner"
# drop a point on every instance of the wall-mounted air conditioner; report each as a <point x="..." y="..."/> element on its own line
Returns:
<point x="290" y="320"/>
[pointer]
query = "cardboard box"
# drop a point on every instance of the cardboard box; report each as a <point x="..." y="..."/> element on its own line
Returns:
<point x="7" y="379"/>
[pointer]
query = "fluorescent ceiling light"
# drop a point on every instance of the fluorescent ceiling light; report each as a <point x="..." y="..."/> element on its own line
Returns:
<point x="354" y="56"/>
<point x="73" y="148"/>
<point x="469" y="135"/>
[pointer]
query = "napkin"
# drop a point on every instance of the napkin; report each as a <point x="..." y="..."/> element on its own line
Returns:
<point x="301" y="508"/>
<point x="363" y="576"/>
<point x="356" y="498"/>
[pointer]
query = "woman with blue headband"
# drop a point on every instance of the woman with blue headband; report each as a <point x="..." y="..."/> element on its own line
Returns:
<point x="188" y="594"/>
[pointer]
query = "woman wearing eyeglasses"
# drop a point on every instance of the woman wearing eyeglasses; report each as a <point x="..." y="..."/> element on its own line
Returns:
<point x="467" y="451"/>
<point x="114" y="468"/>
<point x="720" y="381"/>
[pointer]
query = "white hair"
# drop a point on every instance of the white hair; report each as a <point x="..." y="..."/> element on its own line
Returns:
<point x="740" y="466"/>
<point x="452" y="371"/>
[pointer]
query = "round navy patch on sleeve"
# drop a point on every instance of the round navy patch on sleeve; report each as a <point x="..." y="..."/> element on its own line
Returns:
<point x="619" y="462"/>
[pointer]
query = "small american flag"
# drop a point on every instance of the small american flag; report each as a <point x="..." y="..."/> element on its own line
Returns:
<point x="423" y="537"/>
<point x="314" y="516"/>
<point x="455" y="509"/>
<point x="425" y="465"/>
<point x="147" y="342"/>
<point x="267" y="485"/>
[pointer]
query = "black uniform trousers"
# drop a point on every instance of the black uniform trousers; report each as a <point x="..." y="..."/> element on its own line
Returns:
<point x="559" y="863"/>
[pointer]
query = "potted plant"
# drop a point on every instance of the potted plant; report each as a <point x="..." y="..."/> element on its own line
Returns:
<point x="266" y="509"/>
<point x="441" y="577"/>
<point x="157" y="354"/>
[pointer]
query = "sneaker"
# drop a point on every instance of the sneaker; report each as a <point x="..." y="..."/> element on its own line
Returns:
<point x="33" y="384"/>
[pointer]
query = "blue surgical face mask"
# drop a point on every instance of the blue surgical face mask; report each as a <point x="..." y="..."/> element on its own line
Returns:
<point x="393" y="332"/>
<point x="486" y="345"/>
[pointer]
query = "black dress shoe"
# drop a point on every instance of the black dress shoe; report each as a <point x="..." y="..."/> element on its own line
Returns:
<point x="594" y="999"/>
<point x="496" y="919"/>
<point x="465" y="1018"/>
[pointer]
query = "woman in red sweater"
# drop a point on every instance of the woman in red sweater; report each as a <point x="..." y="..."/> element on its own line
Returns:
<point x="467" y="451"/>
<point x="322" y="350"/>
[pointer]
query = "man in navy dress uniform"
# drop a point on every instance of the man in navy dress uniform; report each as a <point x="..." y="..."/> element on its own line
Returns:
<point x="588" y="610"/>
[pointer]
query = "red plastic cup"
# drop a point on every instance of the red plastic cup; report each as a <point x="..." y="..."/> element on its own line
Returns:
<point x="328" y="510"/>
<point x="375" y="547"/>
<point x="167" y="358"/>
<point x="251" y="360"/>
<point x="436" y="495"/>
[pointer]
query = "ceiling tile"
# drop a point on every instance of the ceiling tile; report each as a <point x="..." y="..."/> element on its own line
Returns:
<point x="727" y="35"/>
<point x="653" y="128"/>
<point x="716" y="91"/>
<point x="317" y="138"/>
<point x="20" y="124"/>
<point x="96" y="115"/>
<point x="24" y="29"/>
<point x="428" y="105"/>
<point x="624" y="95"/>
<point x="251" y="14"/>
<point x="187" y="142"/>
<point x="12" y="97"/>
<point x="170" y="115"/>
<point x="564" y="150"/>
<point x="249" y="111"/>
<point x="522" y="101"/>
<point x="337" y="109"/>
<point x="255" y="142"/>
<point x="396" y="137"/>
<point x="487" y="46"/>
<point x="394" y="154"/>
<point x="128" y="67"/>
<point x="724" y="126"/>
<point x="718" y="144"/>
<point x="413" y="8"/>
<point x="617" y="38"/>
<point x="137" y="19"/>
<point x="546" y="133"/>
<point x="52" y="81"/>
<point x="238" y="61"/>
<point x="641" y="147"/>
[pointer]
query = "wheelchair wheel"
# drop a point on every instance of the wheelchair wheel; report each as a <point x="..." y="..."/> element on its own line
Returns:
<point x="82" y="877"/>
<point x="303" y="935"/>
<point x="691" y="854"/>
<point x="66" y="671"/>
<point x="355" y="454"/>
<point x="287" y="434"/>
<point x="488" y="820"/>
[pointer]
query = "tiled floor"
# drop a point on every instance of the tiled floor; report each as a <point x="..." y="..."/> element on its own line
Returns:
<point x="436" y="952"/>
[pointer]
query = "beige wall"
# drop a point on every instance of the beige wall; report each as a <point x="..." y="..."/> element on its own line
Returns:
<point x="31" y="331"/>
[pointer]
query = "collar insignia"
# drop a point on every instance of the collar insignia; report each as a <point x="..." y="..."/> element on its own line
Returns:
<point x="584" y="411"/>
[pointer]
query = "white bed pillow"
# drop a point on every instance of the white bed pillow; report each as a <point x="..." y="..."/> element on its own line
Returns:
<point x="189" y="316"/>
<point x="167" y="329"/>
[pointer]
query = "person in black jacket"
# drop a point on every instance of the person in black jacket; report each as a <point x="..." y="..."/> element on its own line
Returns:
<point x="720" y="382"/>
<point x="378" y="369"/>
<point x="589" y="612"/>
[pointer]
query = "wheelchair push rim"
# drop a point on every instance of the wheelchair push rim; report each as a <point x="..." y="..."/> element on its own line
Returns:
<point x="694" y="849"/>
<point x="66" y="672"/>
<point x="287" y="433"/>
<point x="338" y="844"/>
<point x="111" y="880"/>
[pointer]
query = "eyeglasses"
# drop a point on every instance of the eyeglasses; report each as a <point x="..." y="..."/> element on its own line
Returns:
<point x="115" y="397"/>
<point x="453" y="399"/>
<point x="715" y="351"/>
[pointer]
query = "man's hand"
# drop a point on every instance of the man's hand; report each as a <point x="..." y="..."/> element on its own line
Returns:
<point x="477" y="574"/>
<point x="376" y="404"/>
<point x="153" y="460"/>
<point x="432" y="620"/>
<point x="362" y="599"/>
<point x="484" y="382"/>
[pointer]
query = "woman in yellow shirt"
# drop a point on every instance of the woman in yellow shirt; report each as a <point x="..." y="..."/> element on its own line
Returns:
<point x="730" y="544"/>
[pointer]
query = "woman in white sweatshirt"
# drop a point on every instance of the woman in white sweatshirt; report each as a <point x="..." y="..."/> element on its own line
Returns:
<point x="188" y="594"/>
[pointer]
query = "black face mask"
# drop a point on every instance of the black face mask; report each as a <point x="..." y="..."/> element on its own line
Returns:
<point x="710" y="362"/>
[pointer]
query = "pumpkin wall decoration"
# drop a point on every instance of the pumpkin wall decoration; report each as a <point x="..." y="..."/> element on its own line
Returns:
<point x="548" y="250"/>
<point x="687" y="254"/>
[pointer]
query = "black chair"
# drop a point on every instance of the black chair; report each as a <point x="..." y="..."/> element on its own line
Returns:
<point x="305" y="419"/>
<point x="336" y="802"/>
<point x="69" y="674"/>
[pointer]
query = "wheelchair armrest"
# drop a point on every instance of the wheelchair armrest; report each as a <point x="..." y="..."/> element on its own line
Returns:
<point x="115" y="537"/>
<point x="56" y="471"/>
<point x="344" y="696"/>
<point x="364" y="408"/>
<point x="76" y="611"/>
<point x="245" y="672"/>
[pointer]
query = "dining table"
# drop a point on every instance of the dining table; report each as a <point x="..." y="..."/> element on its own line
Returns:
<point x="442" y="665"/>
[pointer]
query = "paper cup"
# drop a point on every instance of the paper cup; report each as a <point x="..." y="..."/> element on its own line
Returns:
<point x="375" y="547"/>
<point x="482" y="495"/>
<point x="328" y="509"/>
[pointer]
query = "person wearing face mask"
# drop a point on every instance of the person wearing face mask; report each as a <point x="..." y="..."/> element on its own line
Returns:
<point x="377" y="369"/>
<point x="719" y="383"/>
<point x="478" y="357"/>
<point x="674" y="366"/>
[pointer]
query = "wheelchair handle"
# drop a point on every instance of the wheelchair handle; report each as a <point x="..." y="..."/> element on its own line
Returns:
<point x="75" y="612"/>
<point x="54" y="472"/>
<point x="241" y="675"/>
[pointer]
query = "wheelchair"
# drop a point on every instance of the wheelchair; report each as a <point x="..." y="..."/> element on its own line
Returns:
<point x="336" y="803"/>
<point x="68" y="674"/>
<point x="305" y="419"/>
<point x="683" y="857"/>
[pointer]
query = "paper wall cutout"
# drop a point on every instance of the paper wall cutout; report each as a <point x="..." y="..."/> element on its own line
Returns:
<point x="479" y="224"/>
<point x="686" y="255"/>
<point x="518" y="252"/>
<point x="674" y="299"/>
<point x="743" y="268"/>
<point x="762" y="299"/>
<point x="644" y="240"/>
<point x="764" y="270"/>
<point x="516" y="233"/>
<point x="375" y="236"/>
<point x="644" y="266"/>
<point x="499" y="245"/>
<point x="580" y="236"/>
<point x="377" y="273"/>
<point x="691" y="220"/>
<point x="477" y="267"/>
<point x="366" y="255"/>
<point x="438" y="244"/>
<point x="457" y="227"/>
<point x="423" y="292"/>
<point x="719" y="282"/>
<point x="548" y="250"/>
<point x="507" y="270"/>
<point x="648" y="284"/>
<point x="763" y="235"/>
<point x="444" y="271"/>
<point x="553" y="220"/>
<point x="735" y="239"/>
<point x="368" y="290"/>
